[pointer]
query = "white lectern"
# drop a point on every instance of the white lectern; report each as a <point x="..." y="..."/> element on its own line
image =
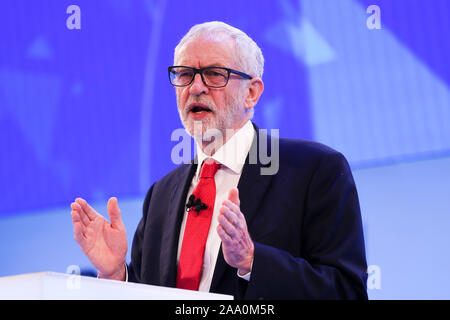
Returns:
<point x="60" y="286"/>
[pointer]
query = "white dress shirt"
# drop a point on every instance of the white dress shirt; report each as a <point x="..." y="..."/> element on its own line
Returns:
<point x="232" y="157"/>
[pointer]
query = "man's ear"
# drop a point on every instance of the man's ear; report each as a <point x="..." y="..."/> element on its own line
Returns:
<point x="254" y="91"/>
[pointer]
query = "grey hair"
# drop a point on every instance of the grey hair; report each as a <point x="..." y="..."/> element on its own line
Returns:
<point x="249" y="56"/>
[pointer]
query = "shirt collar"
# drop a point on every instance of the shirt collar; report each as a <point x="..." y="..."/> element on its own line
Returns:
<point x="234" y="152"/>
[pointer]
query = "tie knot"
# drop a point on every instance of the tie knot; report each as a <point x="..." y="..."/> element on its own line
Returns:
<point x="209" y="168"/>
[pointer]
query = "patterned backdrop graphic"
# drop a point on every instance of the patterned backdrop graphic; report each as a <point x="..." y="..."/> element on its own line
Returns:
<point x="90" y="112"/>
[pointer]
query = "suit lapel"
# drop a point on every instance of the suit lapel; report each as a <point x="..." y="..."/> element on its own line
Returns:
<point x="173" y="224"/>
<point x="252" y="186"/>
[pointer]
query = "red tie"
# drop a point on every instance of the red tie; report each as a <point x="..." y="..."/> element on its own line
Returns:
<point x="197" y="228"/>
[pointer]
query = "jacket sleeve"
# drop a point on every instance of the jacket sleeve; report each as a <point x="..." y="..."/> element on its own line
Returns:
<point x="333" y="263"/>
<point x="134" y="267"/>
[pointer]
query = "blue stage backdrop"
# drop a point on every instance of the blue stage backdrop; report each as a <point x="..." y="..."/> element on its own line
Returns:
<point x="87" y="110"/>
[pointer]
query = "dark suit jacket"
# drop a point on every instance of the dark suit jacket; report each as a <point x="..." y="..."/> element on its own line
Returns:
<point x="305" y="222"/>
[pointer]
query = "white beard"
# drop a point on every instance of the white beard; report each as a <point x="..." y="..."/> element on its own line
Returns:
<point x="227" y="118"/>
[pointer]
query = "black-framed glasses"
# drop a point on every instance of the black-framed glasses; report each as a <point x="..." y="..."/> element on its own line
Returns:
<point x="213" y="77"/>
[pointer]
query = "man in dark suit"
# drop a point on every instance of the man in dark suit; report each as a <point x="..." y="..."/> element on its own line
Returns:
<point x="231" y="222"/>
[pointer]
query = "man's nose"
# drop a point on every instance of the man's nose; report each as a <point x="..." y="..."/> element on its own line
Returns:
<point x="197" y="86"/>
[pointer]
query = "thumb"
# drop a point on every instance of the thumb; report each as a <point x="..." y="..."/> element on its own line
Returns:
<point x="233" y="196"/>
<point x="114" y="212"/>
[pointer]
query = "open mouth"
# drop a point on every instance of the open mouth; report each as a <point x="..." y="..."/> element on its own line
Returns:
<point x="199" y="109"/>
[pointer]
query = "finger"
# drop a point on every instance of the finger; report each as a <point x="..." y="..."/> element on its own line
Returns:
<point x="77" y="222"/>
<point x="114" y="213"/>
<point x="233" y="208"/>
<point x="75" y="216"/>
<point x="76" y="208"/>
<point x="227" y="226"/>
<point x="235" y="215"/>
<point x="230" y="215"/>
<point x="90" y="212"/>
<point x="233" y="196"/>
<point x="78" y="232"/>
<point x="226" y="239"/>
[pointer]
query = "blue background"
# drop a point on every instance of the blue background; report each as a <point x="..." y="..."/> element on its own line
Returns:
<point x="89" y="113"/>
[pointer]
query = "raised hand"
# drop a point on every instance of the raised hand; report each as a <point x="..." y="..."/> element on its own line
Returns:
<point x="104" y="243"/>
<point x="237" y="246"/>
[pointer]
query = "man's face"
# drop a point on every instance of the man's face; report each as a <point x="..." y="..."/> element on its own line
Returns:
<point x="216" y="108"/>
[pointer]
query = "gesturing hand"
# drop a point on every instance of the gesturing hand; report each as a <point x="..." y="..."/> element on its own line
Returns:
<point x="237" y="246"/>
<point x="104" y="243"/>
